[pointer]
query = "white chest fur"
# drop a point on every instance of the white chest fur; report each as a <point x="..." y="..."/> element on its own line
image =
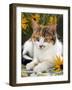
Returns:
<point x="47" y="53"/>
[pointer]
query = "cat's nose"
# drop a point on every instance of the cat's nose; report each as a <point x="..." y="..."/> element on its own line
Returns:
<point x="41" y="46"/>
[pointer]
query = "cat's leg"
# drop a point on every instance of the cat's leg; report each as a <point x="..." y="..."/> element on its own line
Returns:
<point x="43" y="66"/>
<point x="32" y="64"/>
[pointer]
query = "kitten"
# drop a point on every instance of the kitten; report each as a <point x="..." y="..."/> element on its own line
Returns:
<point x="43" y="46"/>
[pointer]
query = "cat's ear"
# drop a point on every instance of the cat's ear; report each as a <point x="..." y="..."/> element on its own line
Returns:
<point x="53" y="27"/>
<point x="35" y="25"/>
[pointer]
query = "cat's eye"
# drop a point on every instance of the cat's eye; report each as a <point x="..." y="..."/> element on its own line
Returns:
<point x="37" y="39"/>
<point x="45" y="40"/>
<point x="50" y="37"/>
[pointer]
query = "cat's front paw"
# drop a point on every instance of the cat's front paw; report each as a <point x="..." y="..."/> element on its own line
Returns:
<point x="37" y="69"/>
<point x="30" y="66"/>
<point x="40" y="68"/>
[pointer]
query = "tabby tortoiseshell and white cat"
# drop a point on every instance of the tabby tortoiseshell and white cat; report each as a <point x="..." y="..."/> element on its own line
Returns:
<point x="43" y="46"/>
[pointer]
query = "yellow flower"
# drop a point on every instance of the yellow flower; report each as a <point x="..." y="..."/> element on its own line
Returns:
<point x="24" y="23"/>
<point x="58" y="63"/>
<point x="36" y="17"/>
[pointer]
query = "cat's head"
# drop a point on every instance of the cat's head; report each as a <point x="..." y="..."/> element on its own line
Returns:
<point x="43" y="36"/>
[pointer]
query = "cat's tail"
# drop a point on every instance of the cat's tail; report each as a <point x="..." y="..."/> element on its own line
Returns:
<point x="27" y="57"/>
<point x="25" y="51"/>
